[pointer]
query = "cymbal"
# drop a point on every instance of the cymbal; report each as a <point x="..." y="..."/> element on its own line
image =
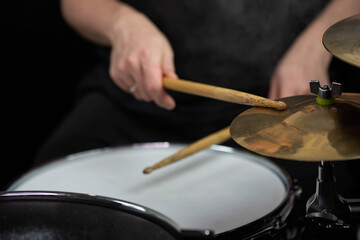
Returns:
<point x="305" y="131"/>
<point x="343" y="40"/>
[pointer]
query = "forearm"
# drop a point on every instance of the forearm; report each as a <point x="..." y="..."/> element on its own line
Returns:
<point x="335" y="11"/>
<point x="307" y="59"/>
<point x="96" y="20"/>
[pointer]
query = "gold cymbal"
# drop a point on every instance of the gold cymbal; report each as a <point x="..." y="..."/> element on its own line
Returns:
<point x="305" y="131"/>
<point x="343" y="40"/>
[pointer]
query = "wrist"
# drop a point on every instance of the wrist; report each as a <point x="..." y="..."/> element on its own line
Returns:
<point x="312" y="38"/>
<point x="121" y="22"/>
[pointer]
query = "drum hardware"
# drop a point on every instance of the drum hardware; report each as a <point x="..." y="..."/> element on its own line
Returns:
<point x="326" y="118"/>
<point x="325" y="95"/>
<point x="308" y="130"/>
<point x="326" y="208"/>
<point x="343" y="40"/>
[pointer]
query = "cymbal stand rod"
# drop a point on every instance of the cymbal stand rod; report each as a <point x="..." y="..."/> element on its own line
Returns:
<point x="353" y="204"/>
<point x="326" y="207"/>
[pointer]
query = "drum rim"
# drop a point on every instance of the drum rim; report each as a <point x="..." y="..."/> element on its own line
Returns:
<point x="274" y="219"/>
<point x="281" y="212"/>
<point x="96" y="200"/>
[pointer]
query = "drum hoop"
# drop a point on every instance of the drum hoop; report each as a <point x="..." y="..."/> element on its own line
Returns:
<point x="96" y="200"/>
<point x="273" y="220"/>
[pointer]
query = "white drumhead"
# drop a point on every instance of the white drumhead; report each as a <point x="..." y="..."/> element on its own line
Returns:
<point x="213" y="189"/>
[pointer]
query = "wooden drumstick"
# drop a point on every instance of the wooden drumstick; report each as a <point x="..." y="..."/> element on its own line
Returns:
<point x="220" y="93"/>
<point x="215" y="138"/>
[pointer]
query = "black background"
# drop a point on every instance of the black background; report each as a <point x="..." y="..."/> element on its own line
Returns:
<point x="42" y="61"/>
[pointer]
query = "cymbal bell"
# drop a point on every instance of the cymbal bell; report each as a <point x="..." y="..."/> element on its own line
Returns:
<point x="343" y="40"/>
<point x="305" y="131"/>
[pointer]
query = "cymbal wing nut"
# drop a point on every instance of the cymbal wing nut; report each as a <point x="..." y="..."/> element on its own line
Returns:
<point x="325" y="92"/>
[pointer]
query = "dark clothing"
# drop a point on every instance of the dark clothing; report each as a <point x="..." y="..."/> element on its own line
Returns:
<point x="229" y="43"/>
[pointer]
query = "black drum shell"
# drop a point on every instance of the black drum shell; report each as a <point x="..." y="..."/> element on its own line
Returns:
<point x="50" y="215"/>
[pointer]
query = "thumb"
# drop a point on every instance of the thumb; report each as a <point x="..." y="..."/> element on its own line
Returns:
<point x="168" y="64"/>
<point x="168" y="70"/>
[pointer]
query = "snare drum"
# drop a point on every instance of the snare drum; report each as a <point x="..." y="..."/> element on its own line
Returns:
<point x="231" y="192"/>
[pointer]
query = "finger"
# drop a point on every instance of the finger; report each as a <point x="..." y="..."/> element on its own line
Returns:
<point x="125" y="73"/>
<point x="121" y="83"/>
<point x="166" y="101"/>
<point x="168" y="65"/>
<point x="126" y="83"/>
<point x="168" y="71"/>
<point x="153" y="83"/>
<point x="152" y="73"/>
<point x="141" y="92"/>
<point x="137" y="94"/>
<point x="137" y="88"/>
<point x="118" y="73"/>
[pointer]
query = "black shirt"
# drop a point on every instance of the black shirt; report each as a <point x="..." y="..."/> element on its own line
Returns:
<point x="229" y="43"/>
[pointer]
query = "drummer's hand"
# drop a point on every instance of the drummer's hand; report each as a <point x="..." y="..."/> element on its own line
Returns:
<point x="306" y="60"/>
<point x="141" y="56"/>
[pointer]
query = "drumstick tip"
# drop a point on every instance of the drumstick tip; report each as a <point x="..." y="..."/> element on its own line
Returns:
<point x="147" y="170"/>
<point x="282" y="105"/>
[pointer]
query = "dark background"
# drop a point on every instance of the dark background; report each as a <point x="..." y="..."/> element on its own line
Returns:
<point x="43" y="60"/>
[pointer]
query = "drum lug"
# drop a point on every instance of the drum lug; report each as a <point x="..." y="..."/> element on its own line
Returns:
<point x="279" y="223"/>
<point x="296" y="188"/>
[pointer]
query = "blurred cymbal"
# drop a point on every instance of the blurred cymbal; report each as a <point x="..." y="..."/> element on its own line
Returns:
<point x="343" y="40"/>
<point x="305" y="131"/>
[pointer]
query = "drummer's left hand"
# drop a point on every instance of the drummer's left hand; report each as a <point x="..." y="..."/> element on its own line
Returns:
<point x="305" y="60"/>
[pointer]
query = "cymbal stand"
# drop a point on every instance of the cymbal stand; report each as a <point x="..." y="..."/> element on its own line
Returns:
<point x="326" y="208"/>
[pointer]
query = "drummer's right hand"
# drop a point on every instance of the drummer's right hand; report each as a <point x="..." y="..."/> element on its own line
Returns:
<point x="141" y="56"/>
